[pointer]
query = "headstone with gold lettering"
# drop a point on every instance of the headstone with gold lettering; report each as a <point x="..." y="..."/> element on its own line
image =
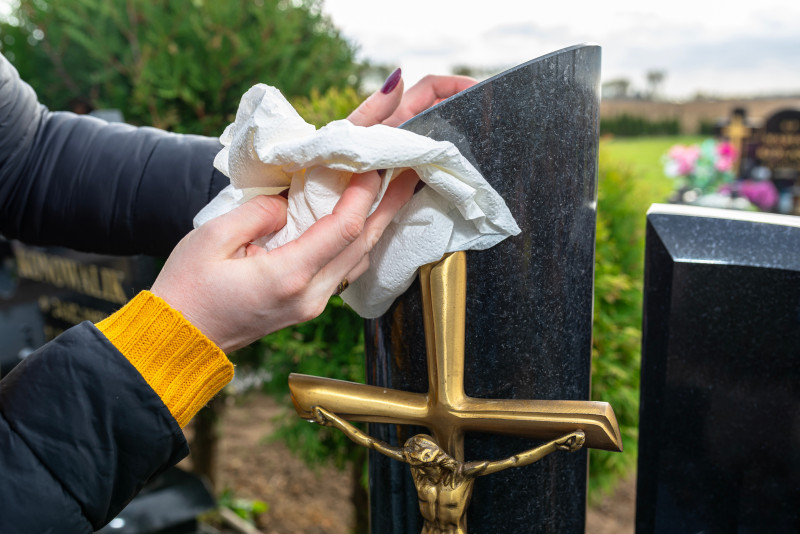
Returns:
<point x="44" y="291"/>
<point x="776" y="147"/>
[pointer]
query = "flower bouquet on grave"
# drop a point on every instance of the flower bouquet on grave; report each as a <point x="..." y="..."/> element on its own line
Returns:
<point x="699" y="170"/>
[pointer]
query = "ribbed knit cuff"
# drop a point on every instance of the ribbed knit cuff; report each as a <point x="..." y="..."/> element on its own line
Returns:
<point x="183" y="366"/>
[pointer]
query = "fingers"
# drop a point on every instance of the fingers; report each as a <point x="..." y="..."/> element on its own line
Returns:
<point x="425" y="93"/>
<point x="330" y="235"/>
<point x="378" y="106"/>
<point x="354" y="260"/>
<point x="256" y="218"/>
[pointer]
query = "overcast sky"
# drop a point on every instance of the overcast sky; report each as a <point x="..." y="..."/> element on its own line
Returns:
<point x="720" y="48"/>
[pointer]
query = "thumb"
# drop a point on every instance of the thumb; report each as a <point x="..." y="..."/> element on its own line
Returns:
<point x="380" y="105"/>
<point x="255" y="218"/>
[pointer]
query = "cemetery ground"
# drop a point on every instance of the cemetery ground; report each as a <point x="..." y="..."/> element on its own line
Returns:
<point x="302" y="500"/>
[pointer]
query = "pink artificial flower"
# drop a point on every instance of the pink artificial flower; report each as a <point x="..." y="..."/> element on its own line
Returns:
<point x="726" y="156"/>
<point x="685" y="158"/>
<point x="724" y="164"/>
<point x="726" y="150"/>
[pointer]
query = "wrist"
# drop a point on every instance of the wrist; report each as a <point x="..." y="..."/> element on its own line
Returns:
<point x="183" y="366"/>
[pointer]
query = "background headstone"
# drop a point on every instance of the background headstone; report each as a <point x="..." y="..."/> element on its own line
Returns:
<point x="719" y="429"/>
<point x="44" y="291"/>
<point x="532" y="131"/>
<point x="776" y="146"/>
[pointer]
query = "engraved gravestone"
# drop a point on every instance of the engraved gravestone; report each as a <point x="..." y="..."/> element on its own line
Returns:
<point x="45" y="290"/>
<point x="776" y="146"/>
<point x="532" y="132"/>
<point x="719" y="433"/>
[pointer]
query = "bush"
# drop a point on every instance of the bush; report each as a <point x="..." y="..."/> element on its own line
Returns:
<point x="630" y="126"/>
<point x="180" y="65"/>
<point x="708" y="128"/>
<point x="616" y="342"/>
<point x="332" y="345"/>
<point x="320" y="109"/>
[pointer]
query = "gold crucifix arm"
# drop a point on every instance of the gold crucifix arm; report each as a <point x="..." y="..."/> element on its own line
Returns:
<point x="540" y="419"/>
<point x="324" y="417"/>
<point x="357" y="402"/>
<point x="570" y="442"/>
<point x="444" y="308"/>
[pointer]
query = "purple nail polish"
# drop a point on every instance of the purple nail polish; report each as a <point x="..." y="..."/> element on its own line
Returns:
<point x="391" y="82"/>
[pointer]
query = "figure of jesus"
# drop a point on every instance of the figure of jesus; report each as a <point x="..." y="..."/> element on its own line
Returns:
<point x="444" y="484"/>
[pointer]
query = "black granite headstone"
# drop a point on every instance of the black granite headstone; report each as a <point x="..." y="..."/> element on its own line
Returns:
<point x="44" y="291"/>
<point x="776" y="146"/>
<point x="532" y="131"/>
<point x="719" y="432"/>
<point x="170" y="503"/>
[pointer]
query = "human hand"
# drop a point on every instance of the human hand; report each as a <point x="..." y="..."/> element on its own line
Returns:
<point x="394" y="107"/>
<point x="236" y="292"/>
<point x="390" y="106"/>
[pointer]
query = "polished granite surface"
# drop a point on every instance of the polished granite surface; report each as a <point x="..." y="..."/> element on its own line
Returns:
<point x="532" y="131"/>
<point x="719" y="432"/>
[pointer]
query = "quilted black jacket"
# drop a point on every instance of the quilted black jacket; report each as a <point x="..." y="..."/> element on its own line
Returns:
<point x="80" y="429"/>
<point x="80" y="433"/>
<point x="80" y="182"/>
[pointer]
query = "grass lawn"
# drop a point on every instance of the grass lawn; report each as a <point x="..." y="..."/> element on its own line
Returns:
<point x="642" y="157"/>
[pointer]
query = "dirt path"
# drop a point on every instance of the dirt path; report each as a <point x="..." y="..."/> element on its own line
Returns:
<point x="303" y="502"/>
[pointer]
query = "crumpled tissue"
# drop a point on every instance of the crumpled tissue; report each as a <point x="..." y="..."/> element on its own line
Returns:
<point x="270" y="147"/>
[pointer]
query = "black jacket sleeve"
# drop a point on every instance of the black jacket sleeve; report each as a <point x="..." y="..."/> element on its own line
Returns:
<point x="80" y="182"/>
<point x="80" y="433"/>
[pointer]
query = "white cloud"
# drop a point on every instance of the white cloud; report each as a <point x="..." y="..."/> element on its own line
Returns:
<point x="700" y="45"/>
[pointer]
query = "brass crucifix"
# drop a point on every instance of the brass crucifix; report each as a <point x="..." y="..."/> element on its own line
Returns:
<point x="446" y="410"/>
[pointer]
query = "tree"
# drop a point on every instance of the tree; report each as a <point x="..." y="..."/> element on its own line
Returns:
<point x="654" y="80"/>
<point x="616" y="89"/>
<point x="180" y="65"/>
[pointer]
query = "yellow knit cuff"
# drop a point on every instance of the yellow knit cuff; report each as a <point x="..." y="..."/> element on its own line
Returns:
<point x="183" y="366"/>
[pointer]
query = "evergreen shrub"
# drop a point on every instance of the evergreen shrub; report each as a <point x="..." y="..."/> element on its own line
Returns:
<point x="625" y="125"/>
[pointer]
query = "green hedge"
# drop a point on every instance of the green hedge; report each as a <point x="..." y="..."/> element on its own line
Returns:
<point x="632" y="126"/>
<point x="616" y="340"/>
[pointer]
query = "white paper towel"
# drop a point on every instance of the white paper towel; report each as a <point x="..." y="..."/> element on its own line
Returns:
<point x="270" y="147"/>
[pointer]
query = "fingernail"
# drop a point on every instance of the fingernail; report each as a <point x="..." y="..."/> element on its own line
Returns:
<point x="381" y="172"/>
<point x="419" y="186"/>
<point x="392" y="81"/>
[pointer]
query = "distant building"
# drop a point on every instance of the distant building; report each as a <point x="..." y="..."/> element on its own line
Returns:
<point x="694" y="113"/>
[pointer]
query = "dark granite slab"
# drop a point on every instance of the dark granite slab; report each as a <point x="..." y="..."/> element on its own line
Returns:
<point x="44" y="291"/>
<point x="719" y="434"/>
<point x="532" y="131"/>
